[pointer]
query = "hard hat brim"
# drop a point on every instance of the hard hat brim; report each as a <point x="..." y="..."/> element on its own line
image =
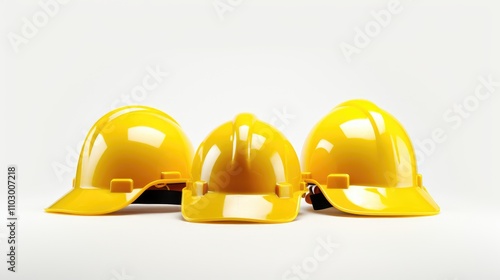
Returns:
<point x="80" y="201"/>
<point x="380" y="201"/>
<point x="225" y="207"/>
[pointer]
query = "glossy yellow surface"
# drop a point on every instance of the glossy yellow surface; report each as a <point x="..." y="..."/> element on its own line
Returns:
<point x="363" y="161"/>
<point x="245" y="170"/>
<point x="127" y="151"/>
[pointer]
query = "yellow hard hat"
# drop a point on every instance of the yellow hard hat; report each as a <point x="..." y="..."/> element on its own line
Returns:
<point x="362" y="160"/>
<point x="245" y="170"/>
<point x="133" y="154"/>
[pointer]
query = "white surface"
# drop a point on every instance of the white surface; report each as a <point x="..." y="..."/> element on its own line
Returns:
<point x="262" y="58"/>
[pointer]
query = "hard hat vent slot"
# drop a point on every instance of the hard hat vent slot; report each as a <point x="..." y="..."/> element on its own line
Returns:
<point x="337" y="181"/>
<point x="121" y="185"/>
<point x="284" y="190"/>
<point x="199" y="188"/>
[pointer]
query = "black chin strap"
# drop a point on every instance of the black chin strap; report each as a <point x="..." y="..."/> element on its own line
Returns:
<point x="319" y="201"/>
<point x="159" y="197"/>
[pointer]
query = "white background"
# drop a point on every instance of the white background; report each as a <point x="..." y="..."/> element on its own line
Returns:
<point x="262" y="57"/>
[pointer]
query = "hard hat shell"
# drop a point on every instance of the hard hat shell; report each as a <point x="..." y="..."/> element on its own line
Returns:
<point x="245" y="170"/>
<point x="128" y="151"/>
<point x="363" y="162"/>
